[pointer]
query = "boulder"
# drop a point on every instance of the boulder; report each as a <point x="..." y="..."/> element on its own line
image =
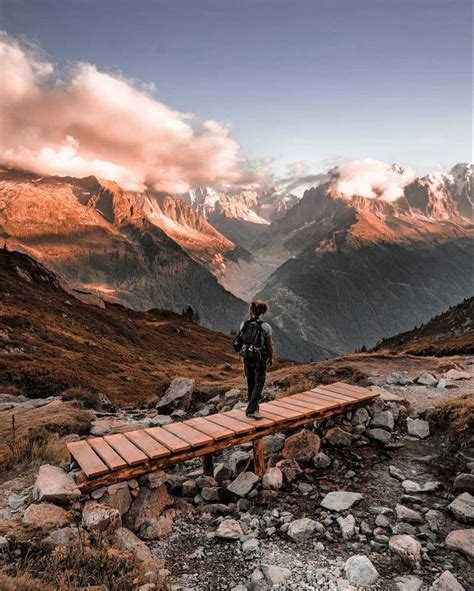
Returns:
<point x="301" y="529"/>
<point x="55" y="486"/>
<point x="338" y="437"/>
<point x="46" y="516"/>
<point x="410" y="486"/>
<point x="445" y="383"/>
<point x="149" y="504"/>
<point x="66" y="537"/>
<point x="418" y="428"/>
<point x="340" y="500"/>
<point x="396" y="473"/>
<point x="398" y="379"/>
<point x="178" y="393"/>
<point x="360" y="571"/>
<point x="379" y="435"/>
<point x="118" y="496"/>
<point x="455" y="374"/>
<point x="222" y="472"/>
<point x="383" y="419"/>
<point x="406" y="514"/>
<point x="273" y="443"/>
<point x="189" y="488"/>
<point x="275" y="575"/>
<point x="229" y="529"/>
<point x="407" y="548"/>
<point x="250" y="546"/>
<point x="426" y="379"/>
<point x="99" y="517"/>
<point x="290" y="469"/>
<point x="127" y="541"/>
<point x="408" y="583"/>
<point x="238" y="460"/>
<point x="347" y="526"/>
<point x="464" y="483"/>
<point x="272" y="479"/>
<point x="322" y="460"/>
<point x="446" y="582"/>
<point x="158" y="528"/>
<point x="301" y="446"/>
<point x="463" y="508"/>
<point x="243" y="484"/>
<point x="360" y="416"/>
<point x="462" y="540"/>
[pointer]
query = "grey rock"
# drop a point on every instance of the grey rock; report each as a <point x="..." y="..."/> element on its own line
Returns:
<point x="301" y="529"/>
<point x="275" y="575"/>
<point x="360" y="571"/>
<point x="360" y="416"/>
<point x="347" y="526"/>
<point x="55" y="486"/>
<point x="65" y="536"/>
<point x="411" y="486"/>
<point x="302" y="446"/>
<point x="158" y="528"/>
<point x="464" y="483"/>
<point x="340" y="500"/>
<point x="118" y="496"/>
<point x="290" y="468"/>
<point x="4" y="543"/>
<point x="462" y="540"/>
<point x="210" y="493"/>
<point x="398" y="379"/>
<point x="407" y="548"/>
<point x="338" y="437"/>
<point x="222" y="472"/>
<point x="179" y="392"/>
<point x="250" y="546"/>
<point x="455" y="374"/>
<point x="426" y="379"/>
<point x="463" y="508"/>
<point x="408" y="583"/>
<point x="243" y="484"/>
<point x="445" y="383"/>
<point x="190" y="488"/>
<point x="273" y="443"/>
<point x="237" y="460"/>
<point x="418" y="428"/>
<point x="406" y="514"/>
<point x="446" y="582"/>
<point x="127" y="541"/>
<point x="99" y="517"/>
<point x="380" y="435"/>
<point x="272" y="479"/>
<point x="396" y="473"/>
<point x="384" y="419"/>
<point x="229" y="529"/>
<point x="322" y="460"/>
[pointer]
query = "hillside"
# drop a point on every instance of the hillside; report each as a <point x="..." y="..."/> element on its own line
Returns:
<point x="51" y="342"/>
<point x="449" y="333"/>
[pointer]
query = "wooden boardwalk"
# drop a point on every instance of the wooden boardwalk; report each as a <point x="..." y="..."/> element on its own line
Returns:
<point x="112" y="458"/>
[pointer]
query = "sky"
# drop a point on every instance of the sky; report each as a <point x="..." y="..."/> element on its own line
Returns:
<point x="292" y="83"/>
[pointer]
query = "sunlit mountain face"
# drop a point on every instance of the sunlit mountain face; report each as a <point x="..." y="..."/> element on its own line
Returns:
<point x="370" y="250"/>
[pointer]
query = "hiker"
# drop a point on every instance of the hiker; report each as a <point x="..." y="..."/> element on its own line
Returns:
<point x="255" y="345"/>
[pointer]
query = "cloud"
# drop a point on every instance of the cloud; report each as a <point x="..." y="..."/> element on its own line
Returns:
<point x="87" y="122"/>
<point x="371" y="179"/>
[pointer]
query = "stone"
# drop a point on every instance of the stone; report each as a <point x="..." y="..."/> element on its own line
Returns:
<point x="379" y="435"/>
<point x="160" y="420"/>
<point x="189" y="488"/>
<point x="210" y="493"/>
<point x="347" y="526"/>
<point x="408" y="583"/>
<point x="273" y="443"/>
<point x="149" y="504"/>
<point x="301" y="446"/>
<point x="463" y="508"/>
<point x="272" y="479"/>
<point x="65" y="536"/>
<point x="455" y="374"/>
<point x="384" y="419"/>
<point x="398" y="379"/>
<point x="46" y="516"/>
<point x="238" y="459"/>
<point x="243" y="484"/>
<point x="360" y="571"/>
<point x="301" y="529"/>
<point x="396" y="473"/>
<point x="158" y="528"/>
<point x="178" y="393"/>
<point x="407" y="548"/>
<point x="127" y="541"/>
<point x="464" y="483"/>
<point x="229" y="529"/>
<point x="99" y="517"/>
<point x="434" y="519"/>
<point x="275" y="575"/>
<point x="360" y="416"/>
<point x="340" y="500"/>
<point x="410" y="486"/>
<point x="222" y="472"/>
<point x="406" y="514"/>
<point x="418" y="428"/>
<point x="153" y="479"/>
<point x="382" y="521"/>
<point x="446" y="582"/>
<point x="250" y="546"/>
<point x="55" y="486"/>
<point x="426" y="379"/>
<point x="445" y="383"/>
<point x="118" y="496"/>
<point x="290" y="469"/>
<point x="338" y="437"/>
<point x="462" y="540"/>
<point x="322" y="460"/>
<point x="232" y="393"/>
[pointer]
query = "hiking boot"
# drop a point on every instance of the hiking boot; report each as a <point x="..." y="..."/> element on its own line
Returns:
<point x="255" y="415"/>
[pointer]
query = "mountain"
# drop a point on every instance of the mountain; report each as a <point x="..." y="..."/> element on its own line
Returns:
<point x="449" y="333"/>
<point x="144" y="250"/>
<point x="354" y="268"/>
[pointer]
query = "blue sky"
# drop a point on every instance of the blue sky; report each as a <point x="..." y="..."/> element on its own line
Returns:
<point x="305" y="81"/>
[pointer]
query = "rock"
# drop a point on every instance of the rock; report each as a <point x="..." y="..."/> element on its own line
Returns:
<point x="160" y="420"/>
<point x="445" y="383"/>
<point x="398" y="379"/>
<point x="464" y="483"/>
<point x="152" y="479"/>
<point x="127" y="541"/>
<point x="178" y="393"/>
<point x="434" y="519"/>
<point x="46" y="516"/>
<point x="272" y="479"/>
<point x="250" y="546"/>
<point x="340" y="500"/>
<point x="275" y="575"/>
<point x="347" y="526"/>
<point x="229" y="529"/>
<point x="301" y="529"/>
<point x="118" y="496"/>
<point x="426" y="379"/>
<point x="337" y="436"/>
<point x="243" y="484"/>
<point x="290" y="469"/>
<point x="158" y="528"/>
<point x="55" y="486"/>
<point x="410" y="486"/>
<point x="455" y="374"/>
<point x="66" y="536"/>
<point x="407" y="548"/>
<point x="189" y="488"/>
<point x="408" y="583"/>
<point x="463" y="508"/>
<point x="418" y="428"/>
<point x="222" y="472"/>
<point x="301" y="446"/>
<point x="210" y="493"/>
<point x="406" y="514"/>
<point x="360" y="571"/>
<point x="149" y="504"/>
<point x="321" y="460"/>
<point x="462" y="540"/>
<point x="379" y="435"/>
<point x="384" y="419"/>
<point x="396" y="473"/>
<point x="446" y="582"/>
<point x="237" y="460"/>
<point x="96" y="516"/>
<point x="3" y="543"/>
<point x="273" y="443"/>
<point x="360" y="416"/>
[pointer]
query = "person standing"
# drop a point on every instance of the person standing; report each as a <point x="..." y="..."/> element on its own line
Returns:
<point x="255" y="344"/>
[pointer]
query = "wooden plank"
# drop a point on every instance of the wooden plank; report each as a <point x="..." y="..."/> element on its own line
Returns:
<point x="106" y="453"/>
<point x="193" y="437"/>
<point x="239" y="414"/>
<point x="279" y="411"/>
<point x="172" y="442"/>
<point x="129" y="452"/>
<point x="294" y="402"/>
<point x="292" y="406"/>
<point x="231" y="423"/>
<point x="336" y="395"/>
<point x="310" y="402"/>
<point x="147" y="444"/>
<point x="259" y="457"/>
<point x="355" y="391"/>
<point x="87" y="459"/>
<point x="327" y="404"/>
<point x="212" y="429"/>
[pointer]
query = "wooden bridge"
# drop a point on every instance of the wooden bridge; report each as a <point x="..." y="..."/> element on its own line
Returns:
<point x="112" y="458"/>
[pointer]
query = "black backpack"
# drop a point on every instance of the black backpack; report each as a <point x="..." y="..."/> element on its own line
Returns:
<point x="250" y="342"/>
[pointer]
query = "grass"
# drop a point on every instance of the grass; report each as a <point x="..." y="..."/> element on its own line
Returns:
<point x="457" y="416"/>
<point x="34" y="450"/>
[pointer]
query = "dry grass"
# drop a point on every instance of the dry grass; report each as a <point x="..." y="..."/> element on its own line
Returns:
<point x="457" y="416"/>
<point x="23" y="582"/>
<point x="33" y="450"/>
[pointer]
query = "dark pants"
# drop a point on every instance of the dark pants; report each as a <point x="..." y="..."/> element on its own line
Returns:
<point x="255" y="373"/>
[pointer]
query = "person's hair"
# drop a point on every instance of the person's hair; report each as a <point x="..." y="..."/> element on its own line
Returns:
<point x="258" y="308"/>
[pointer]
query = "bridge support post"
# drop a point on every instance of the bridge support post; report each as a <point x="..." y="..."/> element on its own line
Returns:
<point x="259" y="457"/>
<point x="207" y="465"/>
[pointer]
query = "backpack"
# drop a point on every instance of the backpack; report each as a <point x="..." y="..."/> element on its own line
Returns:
<point x="250" y="342"/>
